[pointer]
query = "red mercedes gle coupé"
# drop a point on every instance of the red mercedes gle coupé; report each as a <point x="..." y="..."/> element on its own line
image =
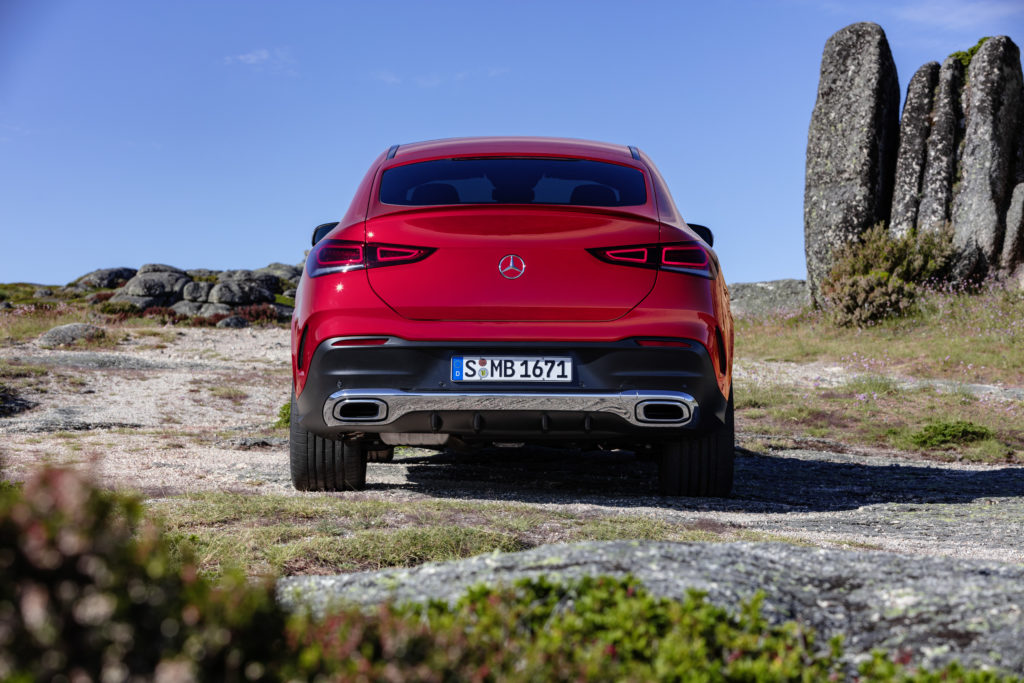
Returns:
<point x="528" y="290"/>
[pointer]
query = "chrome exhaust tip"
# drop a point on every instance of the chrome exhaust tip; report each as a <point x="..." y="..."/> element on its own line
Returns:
<point x="662" y="412"/>
<point x="360" y="410"/>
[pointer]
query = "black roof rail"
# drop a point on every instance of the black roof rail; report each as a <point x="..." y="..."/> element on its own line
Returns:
<point x="392" y="151"/>
<point x="634" y="152"/>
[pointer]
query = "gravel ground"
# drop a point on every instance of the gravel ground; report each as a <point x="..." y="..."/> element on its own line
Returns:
<point x="192" y="410"/>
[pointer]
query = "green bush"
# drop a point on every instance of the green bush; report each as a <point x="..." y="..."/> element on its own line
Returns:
<point x="284" y="416"/>
<point x="87" y="588"/>
<point x="965" y="57"/>
<point x="881" y="276"/>
<point x="940" y="434"/>
<point x="90" y="591"/>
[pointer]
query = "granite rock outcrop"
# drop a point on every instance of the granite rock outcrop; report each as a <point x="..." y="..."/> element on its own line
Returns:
<point x="960" y="154"/>
<point x="851" y="147"/>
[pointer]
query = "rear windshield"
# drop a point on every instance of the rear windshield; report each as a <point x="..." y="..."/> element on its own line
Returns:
<point x="513" y="181"/>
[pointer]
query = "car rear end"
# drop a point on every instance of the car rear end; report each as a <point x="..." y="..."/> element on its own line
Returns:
<point x="511" y="290"/>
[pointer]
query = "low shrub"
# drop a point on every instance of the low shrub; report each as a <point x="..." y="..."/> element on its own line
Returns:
<point x="881" y="276"/>
<point x="207" y="320"/>
<point x="957" y="432"/>
<point x="86" y="587"/>
<point x="258" y="314"/>
<point x="90" y="591"/>
<point x="164" y="315"/>
<point x="284" y="416"/>
<point x="100" y="297"/>
<point x="119" y="308"/>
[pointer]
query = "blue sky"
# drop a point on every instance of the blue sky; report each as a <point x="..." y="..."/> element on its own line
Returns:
<point x="218" y="133"/>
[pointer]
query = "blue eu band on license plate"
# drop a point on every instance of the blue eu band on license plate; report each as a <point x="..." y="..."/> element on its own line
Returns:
<point x="511" y="369"/>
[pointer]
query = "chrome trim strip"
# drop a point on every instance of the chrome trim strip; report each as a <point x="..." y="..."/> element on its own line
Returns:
<point x="401" y="403"/>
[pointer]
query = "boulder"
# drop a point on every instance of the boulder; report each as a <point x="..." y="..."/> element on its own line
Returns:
<point x="851" y="145"/>
<point x="239" y="293"/>
<point x="214" y="309"/>
<point x="69" y="334"/>
<point x="164" y="286"/>
<point x="267" y="281"/>
<point x="1013" y="243"/>
<point x="947" y="131"/>
<point x="768" y="298"/>
<point x="234" y="321"/>
<point x="910" y="157"/>
<point x="106" y="278"/>
<point x="290" y="293"/>
<point x="6" y="304"/>
<point x="284" y="313"/>
<point x="994" y="117"/>
<point x="283" y="271"/>
<point x="160" y="268"/>
<point x="189" y="308"/>
<point x="202" y="273"/>
<point x="197" y="291"/>
<point x="42" y="293"/>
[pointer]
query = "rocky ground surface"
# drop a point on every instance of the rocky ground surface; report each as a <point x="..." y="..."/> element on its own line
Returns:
<point x="930" y="610"/>
<point x="169" y="411"/>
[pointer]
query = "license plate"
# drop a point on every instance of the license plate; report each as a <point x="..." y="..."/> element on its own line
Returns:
<point x="511" y="369"/>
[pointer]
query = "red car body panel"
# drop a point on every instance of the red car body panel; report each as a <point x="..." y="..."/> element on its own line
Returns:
<point x="565" y="294"/>
<point x="461" y="281"/>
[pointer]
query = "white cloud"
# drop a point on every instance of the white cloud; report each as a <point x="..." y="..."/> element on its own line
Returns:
<point x="386" y="77"/>
<point x="277" y="60"/>
<point x="434" y="79"/>
<point x="960" y="14"/>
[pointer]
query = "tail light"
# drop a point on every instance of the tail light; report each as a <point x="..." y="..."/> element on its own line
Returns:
<point x="678" y="257"/>
<point x="340" y="256"/>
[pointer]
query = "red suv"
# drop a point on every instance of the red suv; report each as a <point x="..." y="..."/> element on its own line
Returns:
<point x="485" y="291"/>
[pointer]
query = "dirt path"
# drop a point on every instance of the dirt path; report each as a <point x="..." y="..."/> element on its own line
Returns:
<point x="192" y="410"/>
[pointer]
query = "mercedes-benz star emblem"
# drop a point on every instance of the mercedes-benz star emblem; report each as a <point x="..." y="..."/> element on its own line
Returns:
<point x="511" y="266"/>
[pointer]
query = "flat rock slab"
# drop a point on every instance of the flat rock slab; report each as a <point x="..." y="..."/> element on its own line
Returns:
<point x="934" y="609"/>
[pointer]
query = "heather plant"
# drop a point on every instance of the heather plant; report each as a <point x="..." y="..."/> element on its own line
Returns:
<point x="882" y="276"/>
<point x="89" y="590"/>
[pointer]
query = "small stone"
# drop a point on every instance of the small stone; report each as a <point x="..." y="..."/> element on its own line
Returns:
<point x="234" y="321"/>
<point x="214" y="309"/>
<point x="64" y="335"/>
<point x="188" y="308"/>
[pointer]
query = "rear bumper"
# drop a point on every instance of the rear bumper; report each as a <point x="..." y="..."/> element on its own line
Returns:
<point x="620" y="390"/>
<point x="373" y="408"/>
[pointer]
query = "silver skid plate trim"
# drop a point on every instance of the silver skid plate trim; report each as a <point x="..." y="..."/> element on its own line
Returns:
<point x="401" y="403"/>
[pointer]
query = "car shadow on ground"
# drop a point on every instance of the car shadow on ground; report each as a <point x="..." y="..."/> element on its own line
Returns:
<point x="793" y="481"/>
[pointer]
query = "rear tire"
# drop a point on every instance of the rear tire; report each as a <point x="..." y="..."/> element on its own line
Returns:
<point x="319" y="464"/>
<point x="700" y="466"/>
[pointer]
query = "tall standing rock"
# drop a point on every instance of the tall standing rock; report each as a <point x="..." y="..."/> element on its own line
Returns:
<point x="1013" y="243"/>
<point x="851" y="145"/>
<point x="915" y="125"/>
<point x="947" y="128"/>
<point x="994" y="111"/>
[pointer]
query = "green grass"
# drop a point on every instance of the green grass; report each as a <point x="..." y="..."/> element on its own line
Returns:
<point x="875" y="411"/>
<point x="965" y="337"/>
<point x="279" y="535"/>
